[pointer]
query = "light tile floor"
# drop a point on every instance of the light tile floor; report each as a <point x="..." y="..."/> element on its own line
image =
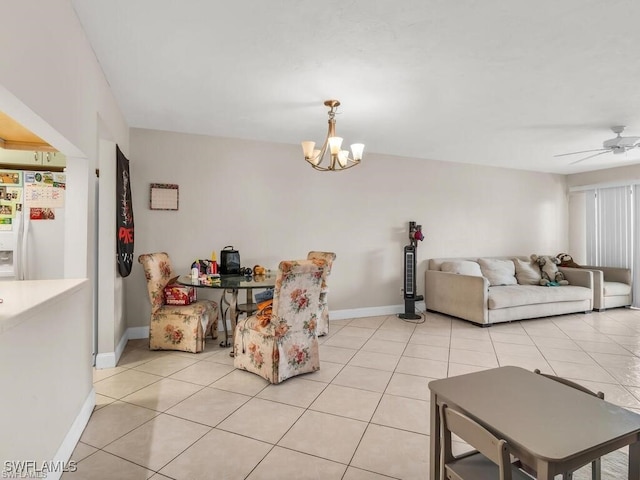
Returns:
<point x="363" y="416"/>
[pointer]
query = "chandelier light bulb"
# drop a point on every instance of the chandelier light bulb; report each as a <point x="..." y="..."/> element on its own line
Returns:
<point x="315" y="159"/>
<point x="307" y="148"/>
<point x="335" y="143"/>
<point x="343" y="157"/>
<point x="357" y="149"/>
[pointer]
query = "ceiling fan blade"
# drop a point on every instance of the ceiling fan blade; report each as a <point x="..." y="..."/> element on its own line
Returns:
<point x="587" y="158"/>
<point x="583" y="151"/>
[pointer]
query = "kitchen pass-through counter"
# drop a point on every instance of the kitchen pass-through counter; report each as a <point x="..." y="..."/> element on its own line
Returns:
<point x="20" y="299"/>
<point x="45" y="367"/>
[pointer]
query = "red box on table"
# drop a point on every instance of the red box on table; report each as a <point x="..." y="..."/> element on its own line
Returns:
<point x="176" y="294"/>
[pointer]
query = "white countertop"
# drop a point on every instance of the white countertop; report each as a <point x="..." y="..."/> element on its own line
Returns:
<point x="20" y="299"/>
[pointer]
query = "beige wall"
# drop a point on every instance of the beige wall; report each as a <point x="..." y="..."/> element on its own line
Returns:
<point x="609" y="175"/>
<point x="263" y="199"/>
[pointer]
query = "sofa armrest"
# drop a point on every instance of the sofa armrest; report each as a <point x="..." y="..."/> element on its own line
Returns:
<point x="462" y="296"/>
<point x="578" y="276"/>
<point x="614" y="274"/>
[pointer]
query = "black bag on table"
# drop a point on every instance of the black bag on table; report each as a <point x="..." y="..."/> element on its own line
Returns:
<point x="229" y="261"/>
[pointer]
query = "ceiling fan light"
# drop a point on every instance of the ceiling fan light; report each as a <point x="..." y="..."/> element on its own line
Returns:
<point x="616" y="145"/>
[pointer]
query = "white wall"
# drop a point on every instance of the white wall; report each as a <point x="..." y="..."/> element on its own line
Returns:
<point x="45" y="377"/>
<point x="263" y="199"/>
<point x="51" y="82"/>
<point x="577" y="227"/>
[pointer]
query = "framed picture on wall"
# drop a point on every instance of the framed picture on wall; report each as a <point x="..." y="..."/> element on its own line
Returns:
<point x="163" y="196"/>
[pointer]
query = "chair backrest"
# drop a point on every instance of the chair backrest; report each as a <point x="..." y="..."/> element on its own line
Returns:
<point x="477" y="436"/>
<point x="328" y="257"/>
<point x="569" y="383"/>
<point x="296" y="296"/>
<point x="158" y="271"/>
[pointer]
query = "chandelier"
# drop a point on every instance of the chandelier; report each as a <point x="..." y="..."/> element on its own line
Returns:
<point x="337" y="159"/>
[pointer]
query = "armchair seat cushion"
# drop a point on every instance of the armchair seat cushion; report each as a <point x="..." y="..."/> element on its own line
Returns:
<point x="182" y="328"/>
<point x="615" y="288"/>
<point x="198" y="308"/>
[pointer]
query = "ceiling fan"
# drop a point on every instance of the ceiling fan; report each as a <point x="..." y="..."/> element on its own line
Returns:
<point x="616" y="145"/>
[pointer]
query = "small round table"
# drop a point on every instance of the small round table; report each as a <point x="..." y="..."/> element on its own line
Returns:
<point x="230" y="286"/>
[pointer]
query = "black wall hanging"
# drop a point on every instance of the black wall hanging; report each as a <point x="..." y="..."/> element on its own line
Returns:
<point x="124" y="215"/>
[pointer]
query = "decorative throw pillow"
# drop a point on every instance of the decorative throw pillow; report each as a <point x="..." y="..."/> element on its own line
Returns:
<point x="527" y="273"/>
<point x="462" y="267"/>
<point x="498" y="272"/>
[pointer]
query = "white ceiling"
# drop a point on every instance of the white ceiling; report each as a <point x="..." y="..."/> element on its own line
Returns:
<point x="498" y="82"/>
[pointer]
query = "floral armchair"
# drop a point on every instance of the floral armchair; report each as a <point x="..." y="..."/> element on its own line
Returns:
<point x="284" y="343"/>
<point x="323" y="319"/>
<point x="175" y="327"/>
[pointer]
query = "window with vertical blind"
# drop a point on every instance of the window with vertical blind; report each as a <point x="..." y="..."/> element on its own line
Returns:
<point x="635" y="268"/>
<point x="613" y="230"/>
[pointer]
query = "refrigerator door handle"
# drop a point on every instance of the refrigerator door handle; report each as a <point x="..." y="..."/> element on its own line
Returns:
<point x="20" y="257"/>
<point x="17" y="253"/>
<point x="24" y="251"/>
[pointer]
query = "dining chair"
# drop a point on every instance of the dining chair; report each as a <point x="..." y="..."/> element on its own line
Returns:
<point x="595" y="465"/>
<point x="280" y="341"/>
<point x="175" y="327"/>
<point x="491" y="458"/>
<point x="323" y="318"/>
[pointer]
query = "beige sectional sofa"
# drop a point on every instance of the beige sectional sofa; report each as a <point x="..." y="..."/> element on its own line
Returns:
<point x="492" y="290"/>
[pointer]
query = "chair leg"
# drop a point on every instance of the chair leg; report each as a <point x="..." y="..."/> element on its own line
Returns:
<point x="596" y="469"/>
<point x="214" y="324"/>
<point x="212" y="328"/>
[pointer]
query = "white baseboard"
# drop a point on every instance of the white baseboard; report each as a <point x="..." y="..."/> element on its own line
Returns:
<point x="134" y="333"/>
<point x="371" y="311"/>
<point x="106" y="360"/>
<point x="109" y="360"/>
<point x="72" y="437"/>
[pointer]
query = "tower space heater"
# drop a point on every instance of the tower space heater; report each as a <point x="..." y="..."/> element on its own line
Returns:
<point x="409" y="287"/>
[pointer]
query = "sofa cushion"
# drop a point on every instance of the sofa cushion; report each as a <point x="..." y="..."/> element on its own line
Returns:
<point x="498" y="272"/>
<point x="615" y="288"/>
<point x="518" y="295"/>
<point x="462" y="267"/>
<point x="527" y="272"/>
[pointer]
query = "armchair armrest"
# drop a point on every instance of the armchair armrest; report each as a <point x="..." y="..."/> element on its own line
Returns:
<point x="578" y="276"/>
<point x="585" y="278"/>
<point x="613" y="274"/>
<point x="462" y="296"/>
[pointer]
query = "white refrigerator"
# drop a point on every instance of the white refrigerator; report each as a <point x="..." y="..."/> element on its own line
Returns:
<point x="31" y="225"/>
